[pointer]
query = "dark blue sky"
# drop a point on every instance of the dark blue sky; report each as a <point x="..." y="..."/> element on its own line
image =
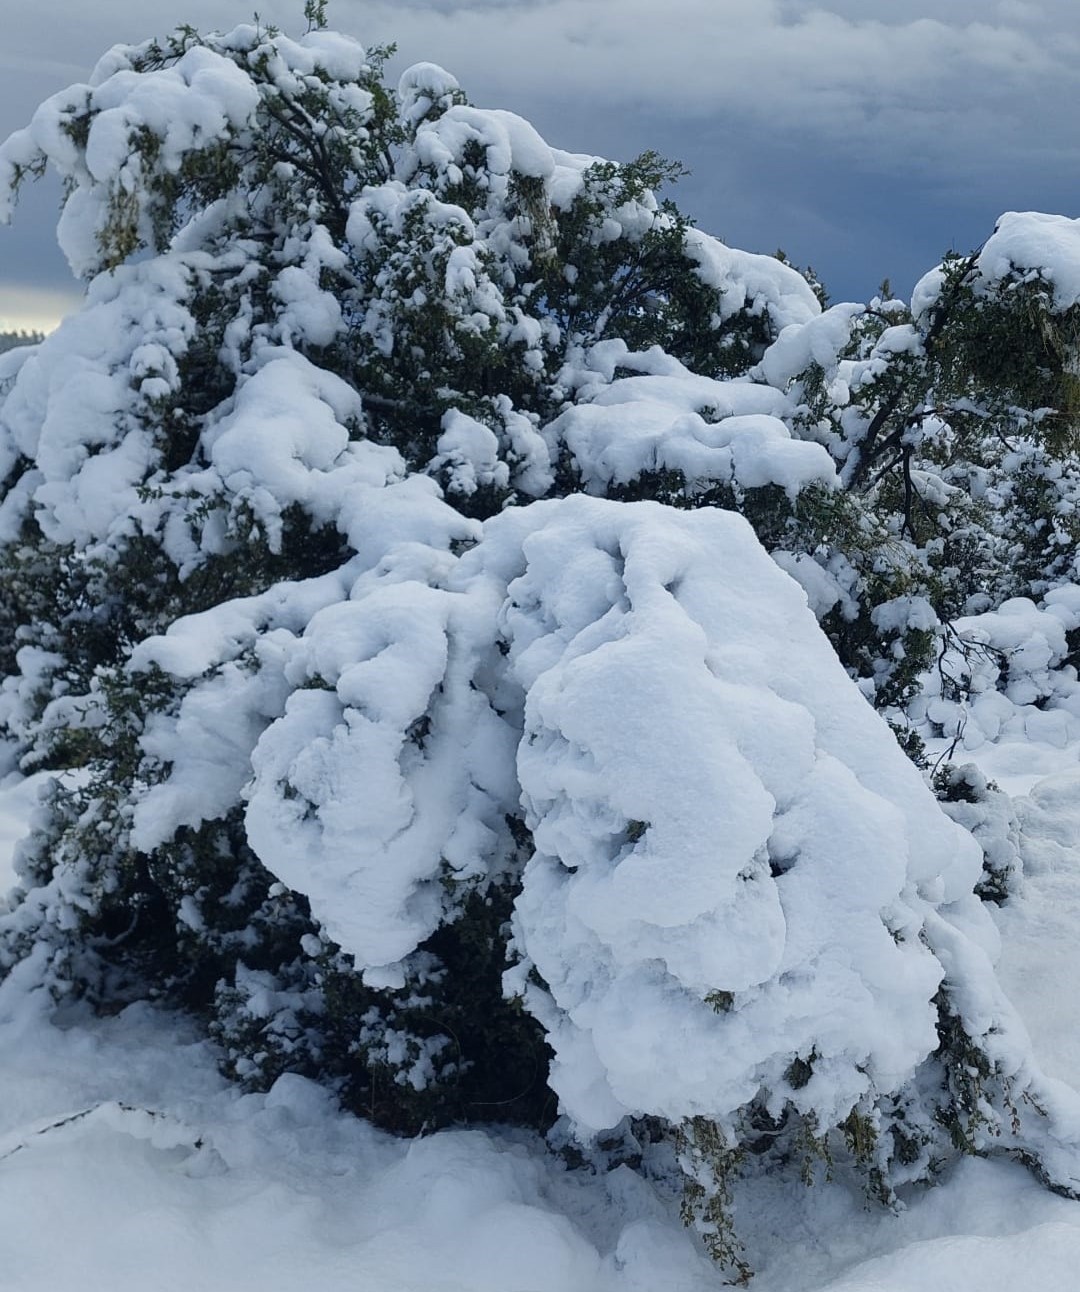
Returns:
<point x="864" y="139"/>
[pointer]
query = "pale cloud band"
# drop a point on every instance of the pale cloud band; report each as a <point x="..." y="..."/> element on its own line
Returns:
<point x="33" y="309"/>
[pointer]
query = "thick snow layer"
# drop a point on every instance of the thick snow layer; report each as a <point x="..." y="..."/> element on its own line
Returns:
<point x="713" y="432"/>
<point x="468" y="452"/>
<point x="424" y="87"/>
<point x="816" y="341"/>
<point x="286" y="441"/>
<point x="127" y="1131"/>
<point x="124" y="1128"/>
<point x="762" y="284"/>
<point x="77" y="408"/>
<point x="73" y="408"/>
<point x="735" y="865"/>
<point x="509" y="143"/>
<point x="1033" y="244"/>
<point x="773" y="845"/>
<point x="389" y="771"/>
<point x="1025" y="246"/>
<point x="510" y="146"/>
<point x="202" y="98"/>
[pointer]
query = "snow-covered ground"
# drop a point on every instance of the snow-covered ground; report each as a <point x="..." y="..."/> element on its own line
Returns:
<point x="164" y="1175"/>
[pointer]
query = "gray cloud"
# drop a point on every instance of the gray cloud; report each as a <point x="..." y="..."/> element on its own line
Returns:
<point x="923" y="88"/>
<point x="892" y="127"/>
<point x="827" y="71"/>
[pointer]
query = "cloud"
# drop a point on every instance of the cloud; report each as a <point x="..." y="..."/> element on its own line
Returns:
<point x="963" y="86"/>
<point x="917" y="121"/>
<point x="33" y="309"/>
<point x="933" y="91"/>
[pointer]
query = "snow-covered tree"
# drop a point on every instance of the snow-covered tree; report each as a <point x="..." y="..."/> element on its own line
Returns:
<point x="426" y="717"/>
<point x="954" y="420"/>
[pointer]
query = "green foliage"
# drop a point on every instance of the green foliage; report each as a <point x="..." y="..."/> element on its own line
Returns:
<point x="475" y="292"/>
<point x="446" y="1048"/>
<point x="315" y="13"/>
<point x="710" y="1164"/>
<point x="955" y="434"/>
<point x="975" y="1085"/>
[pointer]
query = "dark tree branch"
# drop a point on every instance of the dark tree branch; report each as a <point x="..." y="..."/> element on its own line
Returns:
<point x="869" y="450"/>
<point x="909" y="493"/>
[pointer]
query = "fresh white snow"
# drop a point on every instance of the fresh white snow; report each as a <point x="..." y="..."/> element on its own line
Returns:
<point x="165" y="1172"/>
<point x="158" y="1165"/>
<point x="735" y="867"/>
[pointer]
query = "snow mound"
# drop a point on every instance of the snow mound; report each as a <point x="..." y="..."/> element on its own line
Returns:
<point x="773" y="883"/>
<point x="156" y="1164"/>
<point x="753" y="891"/>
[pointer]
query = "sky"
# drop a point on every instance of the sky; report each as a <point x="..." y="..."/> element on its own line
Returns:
<point x="864" y="138"/>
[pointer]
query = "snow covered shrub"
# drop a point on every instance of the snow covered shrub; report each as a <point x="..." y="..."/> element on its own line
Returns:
<point x="977" y="804"/>
<point x="762" y="933"/>
<point x="429" y="720"/>
<point x="311" y="297"/>
<point x="1008" y="673"/>
<point x="954" y="422"/>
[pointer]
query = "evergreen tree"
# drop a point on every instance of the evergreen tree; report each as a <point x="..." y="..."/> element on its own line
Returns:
<point x="351" y="293"/>
<point x="9" y="340"/>
<point x="954" y="421"/>
<point x="410" y="766"/>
